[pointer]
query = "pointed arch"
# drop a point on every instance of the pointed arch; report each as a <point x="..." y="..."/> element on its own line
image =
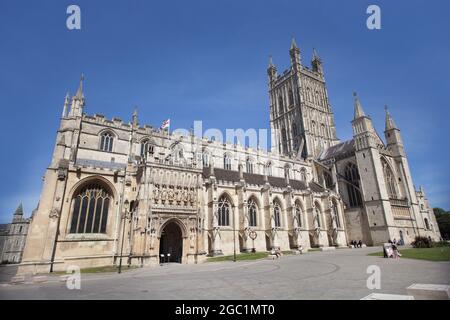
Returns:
<point x="224" y="209"/>
<point x="147" y="147"/>
<point x="351" y="175"/>
<point x="91" y="204"/>
<point x="389" y="179"/>
<point x="178" y="222"/>
<point x="277" y="211"/>
<point x="106" y="140"/>
<point x="252" y="211"/>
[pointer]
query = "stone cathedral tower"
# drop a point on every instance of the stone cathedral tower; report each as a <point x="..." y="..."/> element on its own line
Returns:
<point x="301" y="118"/>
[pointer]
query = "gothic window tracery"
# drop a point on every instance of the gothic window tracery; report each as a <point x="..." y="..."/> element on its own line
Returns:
<point x="252" y="213"/>
<point x="90" y="209"/>
<point x="146" y="148"/>
<point x="352" y="176"/>
<point x="224" y="211"/>
<point x="106" y="141"/>
<point x="390" y="181"/>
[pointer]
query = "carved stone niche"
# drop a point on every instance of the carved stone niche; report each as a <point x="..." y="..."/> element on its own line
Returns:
<point x="54" y="213"/>
<point x="62" y="174"/>
<point x="63" y="165"/>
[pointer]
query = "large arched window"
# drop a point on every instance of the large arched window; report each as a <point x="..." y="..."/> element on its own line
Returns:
<point x="90" y="209"/>
<point x="106" y="141"/>
<point x="298" y="214"/>
<point x="390" y="181"/>
<point x="252" y="213"/>
<point x="146" y="148"/>
<point x="277" y="214"/>
<point x="352" y="176"/>
<point x="249" y="165"/>
<point x="226" y="162"/>
<point x="224" y="211"/>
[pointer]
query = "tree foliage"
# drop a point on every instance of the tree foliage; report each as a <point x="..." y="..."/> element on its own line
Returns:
<point x="443" y="220"/>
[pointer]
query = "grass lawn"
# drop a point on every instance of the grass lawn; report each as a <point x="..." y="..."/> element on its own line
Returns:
<point x="240" y="257"/>
<point x="431" y="254"/>
<point x="105" y="269"/>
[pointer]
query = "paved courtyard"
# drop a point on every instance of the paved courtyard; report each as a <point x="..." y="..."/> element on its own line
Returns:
<point x="339" y="274"/>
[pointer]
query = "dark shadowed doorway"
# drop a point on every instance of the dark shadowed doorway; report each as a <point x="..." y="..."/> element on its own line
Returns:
<point x="171" y="243"/>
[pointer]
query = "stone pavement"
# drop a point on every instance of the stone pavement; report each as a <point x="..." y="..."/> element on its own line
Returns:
<point x="338" y="274"/>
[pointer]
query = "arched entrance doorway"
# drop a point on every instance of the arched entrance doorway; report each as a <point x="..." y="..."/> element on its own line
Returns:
<point x="171" y="243"/>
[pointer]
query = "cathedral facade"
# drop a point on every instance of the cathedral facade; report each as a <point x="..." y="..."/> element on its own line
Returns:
<point x="119" y="190"/>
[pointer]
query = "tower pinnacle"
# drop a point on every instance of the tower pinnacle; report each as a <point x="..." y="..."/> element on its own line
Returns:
<point x="390" y="124"/>
<point x="19" y="210"/>
<point x="80" y="94"/>
<point x="293" y="44"/>
<point x="359" y="112"/>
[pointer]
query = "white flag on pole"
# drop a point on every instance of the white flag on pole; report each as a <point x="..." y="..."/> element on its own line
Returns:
<point x="165" y="124"/>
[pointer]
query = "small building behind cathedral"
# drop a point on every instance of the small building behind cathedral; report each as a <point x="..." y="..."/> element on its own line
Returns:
<point x="13" y="237"/>
<point x="122" y="190"/>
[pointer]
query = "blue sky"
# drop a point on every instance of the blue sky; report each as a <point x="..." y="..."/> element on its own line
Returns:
<point x="206" y="60"/>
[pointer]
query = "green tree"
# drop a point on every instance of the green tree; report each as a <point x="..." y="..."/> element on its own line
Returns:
<point x="443" y="221"/>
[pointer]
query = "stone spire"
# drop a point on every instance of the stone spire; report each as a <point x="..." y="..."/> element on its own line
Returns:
<point x="271" y="70"/>
<point x="293" y="44"/>
<point x="359" y="112"/>
<point x="315" y="55"/>
<point x="390" y="124"/>
<point x="19" y="210"/>
<point x="78" y="102"/>
<point x="80" y="94"/>
<point x="135" y="117"/>
<point x="295" y="54"/>
<point x="271" y="65"/>
<point x="316" y="62"/>
<point x="66" y="105"/>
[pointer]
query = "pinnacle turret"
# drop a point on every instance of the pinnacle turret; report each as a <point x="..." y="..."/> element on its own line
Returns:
<point x="80" y="94"/>
<point x="19" y="210"/>
<point x="359" y="112"/>
<point x="390" y="124"/>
